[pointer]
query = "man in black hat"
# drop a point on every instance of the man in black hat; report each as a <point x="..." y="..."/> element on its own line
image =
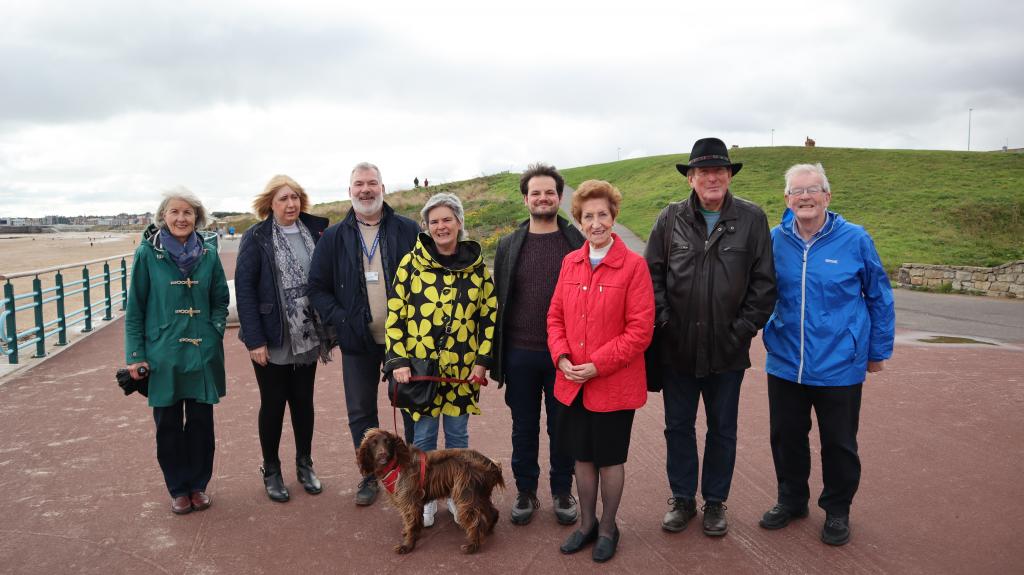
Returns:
<point x="710" y="257"/>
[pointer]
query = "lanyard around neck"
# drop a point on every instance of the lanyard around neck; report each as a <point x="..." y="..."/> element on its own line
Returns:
<point x="373" y="249"/>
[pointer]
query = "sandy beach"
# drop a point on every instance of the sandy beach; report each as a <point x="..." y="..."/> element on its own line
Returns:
<point x="32" y="252"/>
<point x="26" y="252"/>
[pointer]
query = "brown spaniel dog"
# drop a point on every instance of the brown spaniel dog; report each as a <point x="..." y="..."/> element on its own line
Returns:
<point x="412" y="478"/>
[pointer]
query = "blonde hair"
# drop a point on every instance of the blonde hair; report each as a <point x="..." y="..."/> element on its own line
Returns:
<point x="594" y="190"/>
<point x="261" y="204"/>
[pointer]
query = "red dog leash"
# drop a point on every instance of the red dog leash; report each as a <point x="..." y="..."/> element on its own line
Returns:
<point x="482" y="381"/>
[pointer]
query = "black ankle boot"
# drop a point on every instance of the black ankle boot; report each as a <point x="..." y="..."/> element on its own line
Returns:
<point x="274" y="483"/>
<point x="308" y="479"/>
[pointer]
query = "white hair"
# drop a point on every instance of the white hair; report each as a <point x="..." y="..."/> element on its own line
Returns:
<point x="807" y="169"/>
<point x="365" y="166"/>
<point x="184" y="194"/>
<point x="450" y="201"/>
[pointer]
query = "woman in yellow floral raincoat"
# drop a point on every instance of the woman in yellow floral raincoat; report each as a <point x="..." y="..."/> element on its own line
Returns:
<point x="443" y="308"/>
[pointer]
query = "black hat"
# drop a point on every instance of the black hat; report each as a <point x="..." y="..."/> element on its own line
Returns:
<point x="709" y="152"/>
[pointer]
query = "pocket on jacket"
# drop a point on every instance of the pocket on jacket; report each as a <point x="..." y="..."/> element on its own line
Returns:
<point x="266" y="308"/>
<point x="153" y="332"/>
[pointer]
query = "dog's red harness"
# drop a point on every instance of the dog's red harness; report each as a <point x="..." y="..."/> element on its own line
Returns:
<point x="393" y="474"/>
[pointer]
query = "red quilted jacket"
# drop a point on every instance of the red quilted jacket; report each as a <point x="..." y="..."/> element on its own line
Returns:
<point x="603" y="315"/>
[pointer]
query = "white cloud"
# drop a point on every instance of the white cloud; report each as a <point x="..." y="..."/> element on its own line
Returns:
<point x="106" y="103"/>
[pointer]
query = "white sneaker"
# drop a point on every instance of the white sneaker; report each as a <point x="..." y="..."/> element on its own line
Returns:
<point x="453" y="511"/>
<point x="428" y="513"/>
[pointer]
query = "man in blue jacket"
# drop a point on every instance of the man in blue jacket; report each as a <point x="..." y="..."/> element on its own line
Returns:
<point x="350" y="283"/>
<point x="834" y="321"/>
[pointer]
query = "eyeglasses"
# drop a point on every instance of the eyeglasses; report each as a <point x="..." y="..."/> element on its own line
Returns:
<point x="809" y="190"/>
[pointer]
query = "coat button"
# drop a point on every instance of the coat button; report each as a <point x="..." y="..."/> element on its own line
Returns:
<point x="135" y="354"/>
<point x="584" y="288"/>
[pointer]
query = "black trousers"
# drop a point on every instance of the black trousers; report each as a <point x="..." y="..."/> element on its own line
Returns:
<point x="530" y="376"/>
<point x="837" y="410"/>
<point x="185" y="445"/>
<point x="280" y="386"/>
<point x="682" y="394"/>
<point x="362" y="375"/>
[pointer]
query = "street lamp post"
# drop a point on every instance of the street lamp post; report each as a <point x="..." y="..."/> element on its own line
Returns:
<point x="969" y="110"/>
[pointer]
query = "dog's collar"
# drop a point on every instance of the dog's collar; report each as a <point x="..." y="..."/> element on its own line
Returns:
<point x="392" y="473"/>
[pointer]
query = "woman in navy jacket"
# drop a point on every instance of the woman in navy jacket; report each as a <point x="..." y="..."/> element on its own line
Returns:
<point x="834" y="321"/>
<point x="280" y="328"/>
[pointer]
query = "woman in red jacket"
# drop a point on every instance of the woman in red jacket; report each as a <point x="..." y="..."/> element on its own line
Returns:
<point x="599" y="324"/>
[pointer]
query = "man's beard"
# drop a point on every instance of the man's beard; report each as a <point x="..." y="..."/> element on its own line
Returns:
<point x="371" y="210"/>
<point x="544" y="216"/>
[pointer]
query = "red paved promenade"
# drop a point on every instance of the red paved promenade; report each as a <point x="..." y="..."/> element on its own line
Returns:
<point x="942" y="444"/>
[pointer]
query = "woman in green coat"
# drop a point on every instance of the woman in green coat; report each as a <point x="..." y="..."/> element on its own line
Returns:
<point x="174" y="328"/>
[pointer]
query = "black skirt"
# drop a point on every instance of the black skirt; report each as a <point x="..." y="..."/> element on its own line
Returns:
<point x="601" y="438"/>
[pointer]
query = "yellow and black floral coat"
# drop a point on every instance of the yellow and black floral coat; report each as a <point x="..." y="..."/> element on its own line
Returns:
<point x="431" y="298"/>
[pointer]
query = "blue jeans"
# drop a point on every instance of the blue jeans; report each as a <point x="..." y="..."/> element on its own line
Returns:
<point x="529" y="375"/>
<point x="682" y="393"/>
<point x="456" y="432"/>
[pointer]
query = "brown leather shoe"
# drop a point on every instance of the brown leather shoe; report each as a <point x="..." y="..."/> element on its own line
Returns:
<point x="200" y="501"/>
<point x="181" y="505"/>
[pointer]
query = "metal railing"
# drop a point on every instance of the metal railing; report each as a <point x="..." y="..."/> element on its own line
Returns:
<point x="12" y="341"/>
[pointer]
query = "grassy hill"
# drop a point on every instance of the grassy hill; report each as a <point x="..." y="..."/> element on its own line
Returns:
<point x="958" y="208"/>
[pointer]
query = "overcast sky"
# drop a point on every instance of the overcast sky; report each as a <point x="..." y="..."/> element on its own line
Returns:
<point x="104" y="104"/>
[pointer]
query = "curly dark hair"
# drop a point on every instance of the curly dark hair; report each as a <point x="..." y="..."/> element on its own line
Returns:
<point x="539" y="169"/>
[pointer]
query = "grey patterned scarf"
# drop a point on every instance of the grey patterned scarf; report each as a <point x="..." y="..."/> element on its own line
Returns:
<point x="309" y="338"/>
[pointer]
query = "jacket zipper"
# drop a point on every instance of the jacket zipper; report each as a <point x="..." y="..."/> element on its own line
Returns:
<point x="803" y="293"/>
<point x="803" y="311"/>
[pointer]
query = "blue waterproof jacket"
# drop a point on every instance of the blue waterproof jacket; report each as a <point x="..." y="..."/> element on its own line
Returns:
<point x="835" y="308"/>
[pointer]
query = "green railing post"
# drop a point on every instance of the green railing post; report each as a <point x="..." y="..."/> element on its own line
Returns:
<point x="85" y="298"/>
<point x="62" y="318"/>
<point x="124" y="284"/>
<point x="109" y="305"/>
<point x="12" y="325"/>
<point x="37" y="304"/>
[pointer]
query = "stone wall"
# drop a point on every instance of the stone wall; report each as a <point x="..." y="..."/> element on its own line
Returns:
<point x="1006" y="280"/>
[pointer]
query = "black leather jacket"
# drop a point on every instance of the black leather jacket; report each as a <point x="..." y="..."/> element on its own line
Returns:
<point x="505" y="267"/>
<point x="712" y="293"/>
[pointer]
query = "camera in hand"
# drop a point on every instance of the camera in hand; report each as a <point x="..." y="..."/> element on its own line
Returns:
<point x="129" y="385"/>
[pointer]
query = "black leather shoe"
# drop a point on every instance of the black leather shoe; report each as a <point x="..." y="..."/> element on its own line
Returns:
<point x="779" y="516"/>
<point x="274" y="483"/>
<point x="836" y="530"/>
<point x="604" y="549"/>
<point x="578" y="540"/>
<point x="683" y="510"/>
<point x="715" y="524"/>
<point x="366" y="492"/>
<point x="308" y="479"/>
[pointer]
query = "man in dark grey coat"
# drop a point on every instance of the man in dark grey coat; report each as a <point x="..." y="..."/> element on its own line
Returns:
<point x="349" y="283"/>
<point x="526" y="269"/>
<point x="710" y="257"/>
